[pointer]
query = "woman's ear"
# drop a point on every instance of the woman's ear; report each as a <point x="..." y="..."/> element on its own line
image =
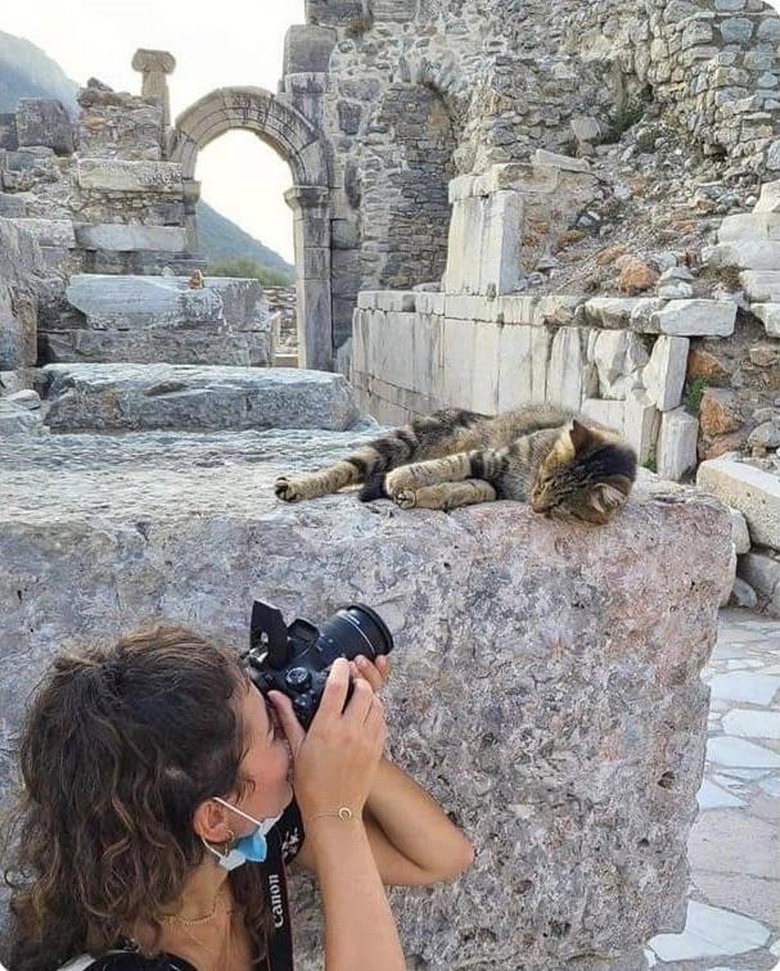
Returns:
<point x="210" y="821"/>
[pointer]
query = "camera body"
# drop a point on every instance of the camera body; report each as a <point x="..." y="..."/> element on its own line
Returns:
<point x="296" y="660"/>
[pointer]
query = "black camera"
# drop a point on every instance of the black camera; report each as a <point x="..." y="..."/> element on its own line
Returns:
<point x="296" y="659"/>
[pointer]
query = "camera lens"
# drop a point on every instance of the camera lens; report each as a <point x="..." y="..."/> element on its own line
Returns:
<point x="352" y="630"/>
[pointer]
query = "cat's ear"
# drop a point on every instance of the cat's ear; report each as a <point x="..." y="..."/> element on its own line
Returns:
<point x="581" y="436"/>
<point x="606" y="499"/>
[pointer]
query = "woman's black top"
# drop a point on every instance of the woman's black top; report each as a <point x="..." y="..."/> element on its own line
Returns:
<point x="289" y="831"/>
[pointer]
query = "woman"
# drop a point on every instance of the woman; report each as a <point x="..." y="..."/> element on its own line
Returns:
<point x="154" y="775"/>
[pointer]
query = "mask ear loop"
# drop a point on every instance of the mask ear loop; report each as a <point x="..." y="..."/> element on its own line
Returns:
<point x="227" y="860"/>
<point x="265" y="825"/>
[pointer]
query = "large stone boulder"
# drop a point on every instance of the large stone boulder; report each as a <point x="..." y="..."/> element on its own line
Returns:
<point x="546" y="684"/>
<point x="143" y="320"/>
<point x="139" y="397"/>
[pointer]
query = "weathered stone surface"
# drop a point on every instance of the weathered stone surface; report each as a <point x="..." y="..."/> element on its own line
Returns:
<point x="20" y="263"/>
<point x="44" y="121"/>
<point x="745" y="254"/>
<point x="554" y="711"/>
<point x="664" y="375"/>
<point x="134" y="397"/>
<point x="697" y="318"/>
<point x="676" y="450"/>
<point x="152" y="302"/>
<point x="116" y="236"/>
<point x="118" y="175"/>
<point x="755" y="493"/>
<point x="719" y="412"/>
<point x="769" y="313"/>
<point x="762" y="573"/>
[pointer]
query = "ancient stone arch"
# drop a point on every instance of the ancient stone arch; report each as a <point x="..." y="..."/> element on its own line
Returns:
<point x="300" y="144"/>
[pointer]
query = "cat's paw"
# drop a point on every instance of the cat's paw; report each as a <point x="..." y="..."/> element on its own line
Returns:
<point x="405" y="498"/>
<point x="286" y="490"/>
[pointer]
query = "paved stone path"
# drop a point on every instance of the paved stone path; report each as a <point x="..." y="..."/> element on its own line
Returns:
<point x="734" y="905"/>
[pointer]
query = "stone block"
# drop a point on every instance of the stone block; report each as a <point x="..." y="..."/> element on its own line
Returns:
<point x="49" y="232"/>
<point x="308" y="48"/>
<point x="121" y="237"/>
<point x="641" y="424"/>
<point x="769" y="198"/>
<point x="761" y="286"/>
<point x="547" y="159"/>
<point x="13" y="205"/>
<point x="599" y="700"/>
<point x="8" y="139"/>
<point x="118" y="175"/>
<point x="516" y="309"/>
<point x="44" y="121"/>
<point x="755" y="493"/>
<point x="677" y="440"/>
<point x="143" y="397"/>
<point x="608" y="413"/>
<point x="485" y="380"/>
<point x="457" y="354"/>
<point x="744" y="254"/>
<point x="523" y="360"/>
<point x="430" y="303"/>
<point x="664" y="376"/>
<point x="762" y="572"/>
<point x="468" y="307"/>
<point x="16" y="420"/>
<point x="697" y="318"/>
<point x="619" y="357"/>
<point x="483" y="254"/>
<point x="769" y="314"/>
<point x="750" y="226"/>
<point x="566" y="368"/>
<point x="132" y="303"/>
<point x="739" y="531"/>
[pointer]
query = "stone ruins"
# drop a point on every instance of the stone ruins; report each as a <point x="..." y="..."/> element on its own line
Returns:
<point x="494" y="203"/>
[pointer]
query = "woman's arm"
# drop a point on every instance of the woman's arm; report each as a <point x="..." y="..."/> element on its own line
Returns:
<point x="412" y="839"/>
<point x="334" y="765"/>
<point x="414" y="842"/>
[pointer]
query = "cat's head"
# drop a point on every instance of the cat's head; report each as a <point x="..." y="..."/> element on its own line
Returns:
<point x="587" y="474"/>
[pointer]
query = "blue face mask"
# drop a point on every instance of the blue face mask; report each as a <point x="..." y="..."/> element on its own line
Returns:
<point x="252" y="847"/>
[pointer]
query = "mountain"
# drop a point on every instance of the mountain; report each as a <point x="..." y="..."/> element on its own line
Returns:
<point x="27" y="72"/>
<point x="220" y="239"/>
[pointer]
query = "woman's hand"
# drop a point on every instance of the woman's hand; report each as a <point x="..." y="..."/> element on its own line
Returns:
<point x="335" y="762"/>
<point x="375" y="673"/>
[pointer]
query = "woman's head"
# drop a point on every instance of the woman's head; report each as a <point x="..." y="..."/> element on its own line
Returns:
<point x="119" y="748"/>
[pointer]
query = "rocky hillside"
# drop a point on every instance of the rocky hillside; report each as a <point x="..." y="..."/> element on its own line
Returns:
<point x="26" y="72"/>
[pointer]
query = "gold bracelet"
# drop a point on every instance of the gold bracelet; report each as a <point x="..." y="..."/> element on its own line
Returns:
<point x="344" y="812"/>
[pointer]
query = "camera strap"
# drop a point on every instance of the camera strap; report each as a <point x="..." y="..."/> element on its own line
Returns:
<point x="280" y="946"/>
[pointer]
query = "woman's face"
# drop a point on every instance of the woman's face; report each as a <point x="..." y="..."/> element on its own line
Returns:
<point x="267" y="764"/>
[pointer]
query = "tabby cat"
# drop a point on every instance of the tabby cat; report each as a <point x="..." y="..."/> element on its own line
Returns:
<point x="562" y="463"/>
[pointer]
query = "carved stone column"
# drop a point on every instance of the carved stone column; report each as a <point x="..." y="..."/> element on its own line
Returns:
<point x="154" y="66"/>
<point x="311" y="227"/>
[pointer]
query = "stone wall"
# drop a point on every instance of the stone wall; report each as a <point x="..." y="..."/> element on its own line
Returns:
<point x="500" y="80"/>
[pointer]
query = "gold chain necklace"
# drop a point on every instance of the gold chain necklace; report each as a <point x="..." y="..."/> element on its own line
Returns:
<point x="194" y="921"/>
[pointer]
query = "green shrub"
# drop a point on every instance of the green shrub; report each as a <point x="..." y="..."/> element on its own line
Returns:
<point x="692" y="395"/>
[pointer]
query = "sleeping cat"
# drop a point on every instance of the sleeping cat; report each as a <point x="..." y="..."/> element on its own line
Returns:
<point x="562" y="463"/>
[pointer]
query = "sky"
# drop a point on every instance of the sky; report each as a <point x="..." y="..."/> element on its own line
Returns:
<point x="217" y="44"/>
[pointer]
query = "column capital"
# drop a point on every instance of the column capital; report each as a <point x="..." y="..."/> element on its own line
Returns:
<point x="307" y="197"/>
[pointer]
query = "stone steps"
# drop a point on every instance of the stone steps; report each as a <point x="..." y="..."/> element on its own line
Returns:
<point x="137" y="397"/>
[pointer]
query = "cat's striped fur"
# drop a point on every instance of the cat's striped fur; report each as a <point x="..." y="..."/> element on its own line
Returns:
<point x="560" y="462"/>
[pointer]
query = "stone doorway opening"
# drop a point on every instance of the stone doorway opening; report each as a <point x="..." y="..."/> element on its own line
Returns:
<point x="300" y="145"/>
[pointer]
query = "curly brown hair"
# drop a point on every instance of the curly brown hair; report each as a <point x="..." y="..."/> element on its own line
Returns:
<point x="119" y="747"/>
